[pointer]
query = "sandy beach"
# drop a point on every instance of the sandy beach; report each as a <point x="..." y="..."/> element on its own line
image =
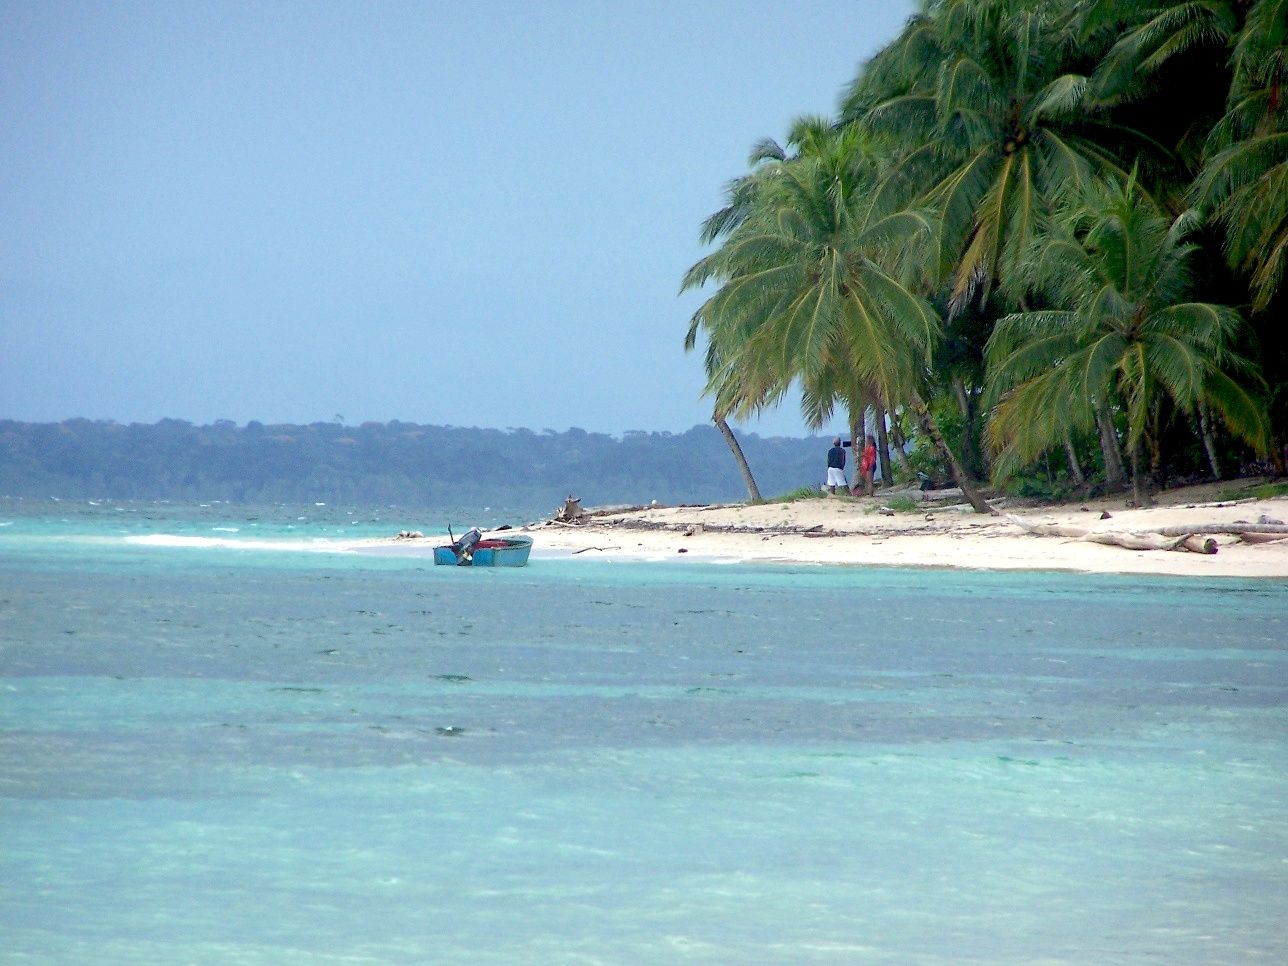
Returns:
<point x="859" y="532"/>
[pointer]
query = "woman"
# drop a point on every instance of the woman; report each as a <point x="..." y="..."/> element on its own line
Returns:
<point x="867" y="465"/>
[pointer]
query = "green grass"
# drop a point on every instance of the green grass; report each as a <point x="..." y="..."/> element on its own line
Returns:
<point x="900" y="504"/>
<point x="1263" y="491"/>
<point x="795" y="496"/>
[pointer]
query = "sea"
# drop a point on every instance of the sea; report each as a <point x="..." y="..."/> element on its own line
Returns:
<point x="230" y="735"/>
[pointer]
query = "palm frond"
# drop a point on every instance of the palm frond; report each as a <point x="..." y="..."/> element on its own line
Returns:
<point x="1170" y="30"/>
<point x="1064" y="97"/>
<point x="1242" y="412"/>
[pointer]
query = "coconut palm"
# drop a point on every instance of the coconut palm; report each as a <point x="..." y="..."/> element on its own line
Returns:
<point x="729" y="384"/>
<point x="1244" y="181"/>
<point x="749" y="481"/>
<point x="1147" y="37"/>
<point x="811" y="286"/>
<point x="832" y="383"/>
<point x="1116" y="268"/>
<point x="986" y="109"/>
<point x="987" y="105"/>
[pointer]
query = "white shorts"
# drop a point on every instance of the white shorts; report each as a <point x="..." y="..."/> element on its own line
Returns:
<point x="835" y="477"/>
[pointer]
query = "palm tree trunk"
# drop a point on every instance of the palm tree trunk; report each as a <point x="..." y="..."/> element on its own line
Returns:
<point x="858" y="426"/>
<point x="883" y="445"/>
<point x="1139" y="494"/>
<point x="900" y="444"/>
<point x="753" y="491"/>
<point x="1157" y="474"/>
<point x="1209" y="444"/>
<point x="970" y="412"/>
<point x="1109" y="448"/>
<point x="968" y="488"/>
<point x="1072" y="454"/>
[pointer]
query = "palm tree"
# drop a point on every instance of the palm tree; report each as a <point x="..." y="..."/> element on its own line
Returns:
<point x="811" y="286"/>
<point x="989" y="113"/>
<point x="727" y="382"/>
<point x="986" y="104"/>
<point x="1116" y="269"/>
<point x="1244" y="181"/>
<point x="1149" y="39"/>
<point x="749" y="481"/>
<point x="830" y="384"/>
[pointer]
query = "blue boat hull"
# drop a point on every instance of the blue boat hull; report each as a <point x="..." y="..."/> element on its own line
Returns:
<point x="506" y="552"/>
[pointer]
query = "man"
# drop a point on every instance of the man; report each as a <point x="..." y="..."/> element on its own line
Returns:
<point x="836" y="466"/>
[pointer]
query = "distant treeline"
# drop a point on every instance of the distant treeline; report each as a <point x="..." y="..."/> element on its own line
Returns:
<point x="396" y="462"/>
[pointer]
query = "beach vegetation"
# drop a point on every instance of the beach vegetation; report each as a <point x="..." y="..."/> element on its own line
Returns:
<point x="1121" y="329"/>
<point x="1261" y="491"/>
<point x="1064" y="220"/>
<point x="795" y="496"/>
<point x="817" y="283"/>
<point x="899" y="503"/>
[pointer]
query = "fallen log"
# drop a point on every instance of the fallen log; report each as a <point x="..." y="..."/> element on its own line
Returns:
<point x="947" y="493"/>
<point x="1048" y="529"/>
<point x="1152" y="541"/>
<point x="1237" y="528"/>
<point x="1187" y="540"/>
<point x="1262" y="537"/>
<point x="1197" y="544"/>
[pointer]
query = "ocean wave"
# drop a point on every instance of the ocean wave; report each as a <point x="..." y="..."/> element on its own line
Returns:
<point x="312" y="545"/>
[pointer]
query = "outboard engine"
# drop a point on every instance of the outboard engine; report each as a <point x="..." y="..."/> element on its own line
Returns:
<point x="464" y="547"/>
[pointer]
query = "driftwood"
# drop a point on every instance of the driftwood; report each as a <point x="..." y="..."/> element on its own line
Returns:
<point x="947" y="493"/>
<point x="1190" y="539"/>
<point x="1152" y="541"/>
<point x="1236" y="528"/>
<point x="1253" y="537"/>
<point x="571" y="511"/>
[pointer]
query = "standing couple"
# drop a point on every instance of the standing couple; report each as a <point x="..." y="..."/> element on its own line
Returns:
<point x="836" y="467"/>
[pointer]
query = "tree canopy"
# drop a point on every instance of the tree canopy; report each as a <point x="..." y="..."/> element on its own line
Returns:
<point x="1049" y="229"/>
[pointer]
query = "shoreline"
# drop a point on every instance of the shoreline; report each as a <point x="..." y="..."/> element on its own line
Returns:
<point x="843" y="531"/>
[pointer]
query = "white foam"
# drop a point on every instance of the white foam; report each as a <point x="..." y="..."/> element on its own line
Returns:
<point x="316" y="545"/>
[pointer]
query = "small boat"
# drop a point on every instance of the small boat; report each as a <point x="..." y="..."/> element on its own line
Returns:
<point x="474" y="550"/>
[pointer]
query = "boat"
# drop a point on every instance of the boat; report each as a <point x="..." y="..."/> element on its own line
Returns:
<point x="475" y="550"/>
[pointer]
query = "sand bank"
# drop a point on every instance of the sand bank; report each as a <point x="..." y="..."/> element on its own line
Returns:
<point x="859" y="532"/>
<point x="856" y="532"/>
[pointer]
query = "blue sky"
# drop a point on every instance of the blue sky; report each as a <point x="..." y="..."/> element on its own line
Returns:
<point x="474" y="214"/>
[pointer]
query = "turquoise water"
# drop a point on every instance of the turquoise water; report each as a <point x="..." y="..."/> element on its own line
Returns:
<point x="222" y="739"/>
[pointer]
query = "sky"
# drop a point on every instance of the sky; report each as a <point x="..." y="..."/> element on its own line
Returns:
<point x="466" y="214"/>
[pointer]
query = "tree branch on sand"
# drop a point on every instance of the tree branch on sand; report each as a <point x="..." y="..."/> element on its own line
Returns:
<point x="1188" y="537"/>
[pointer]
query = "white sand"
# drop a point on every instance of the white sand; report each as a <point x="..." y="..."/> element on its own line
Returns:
<point x="855" y="532"/>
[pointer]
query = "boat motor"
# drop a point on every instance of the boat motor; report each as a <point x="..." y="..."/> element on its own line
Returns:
<point x="464" y="547"/>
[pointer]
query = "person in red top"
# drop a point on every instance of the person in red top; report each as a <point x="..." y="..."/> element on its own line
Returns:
<point x="867" y="466"/>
